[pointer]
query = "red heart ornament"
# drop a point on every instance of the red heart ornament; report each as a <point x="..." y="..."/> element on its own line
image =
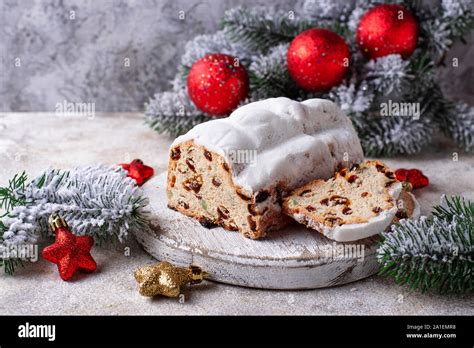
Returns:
<point x="414" y="176"/>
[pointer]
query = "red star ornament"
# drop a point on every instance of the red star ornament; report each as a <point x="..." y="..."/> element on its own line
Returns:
<point x="70" y="252"/>
<point x="138" y="171"/>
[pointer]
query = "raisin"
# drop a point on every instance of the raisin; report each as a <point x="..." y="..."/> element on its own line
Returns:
<point x="305" y="193"/>
<point x="324" y="201"/>
<point x="251" y="209"/>
<point x="176" y="153"/>
<point x="355" y="166"/>
<point x="244" y="197"/>
<point x="205" y="222"/>
<point x="364" y="194"/>
<point x="310" y="208"/>
<point x="377" y="210"/>
<point x="223" y="212"/>
<point x="193" y="183"/>
<point x="252" y="223"/>
<point x="401" y="214"/>
<point x="225" y="166"/>
<point x="352" y="178"/>
<point x="347" y="211"/>
<point x="183" y="204"/>
<point x="232" y="226"/>
<point x="380" y="168"/>
<point x="208" y="155"/>
<point x="331" y="221"/>
<point x="339" y="200"/>
<point x="216" y="182"/>
<point x="261" y="196"/>
<point x="279" y="196"/>
<point x="389" y="183"/>
<point x="190" y="164"/>
<point x="173" y="181"/>
<point x="390" y="175"/>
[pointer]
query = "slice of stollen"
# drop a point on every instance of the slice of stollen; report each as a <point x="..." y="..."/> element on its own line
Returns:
<point x="408" y="207"/>
<point x="354" y="204"/>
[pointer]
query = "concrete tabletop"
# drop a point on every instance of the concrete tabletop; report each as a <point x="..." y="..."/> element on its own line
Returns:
<point x="36" y="141"/>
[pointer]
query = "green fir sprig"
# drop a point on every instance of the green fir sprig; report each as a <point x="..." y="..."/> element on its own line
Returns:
<point x="100" y="201"/>
<point x="10" y="197"/>
<point x="432" y="253"/>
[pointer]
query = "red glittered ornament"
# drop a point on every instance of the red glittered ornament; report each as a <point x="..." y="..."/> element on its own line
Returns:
<point x="138" y="171"/>
<point x="387" y="29"/>
<point x="70" y="252"/>
<point x="414" y="176"/>
<point x="318" y="59"/>
<point x="217" y="84"/>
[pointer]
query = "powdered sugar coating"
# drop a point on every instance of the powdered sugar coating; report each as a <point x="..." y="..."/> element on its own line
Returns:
<point x="291" y="142"/>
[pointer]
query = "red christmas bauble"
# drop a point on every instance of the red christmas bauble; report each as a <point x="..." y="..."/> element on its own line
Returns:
<point x="318" y="59"/>
<point x="217" y="84"/>
<point x="387" y="29"/>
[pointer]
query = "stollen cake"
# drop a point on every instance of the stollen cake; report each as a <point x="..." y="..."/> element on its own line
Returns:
<point x="354" y="204"/>
<point x="234" y="171"/>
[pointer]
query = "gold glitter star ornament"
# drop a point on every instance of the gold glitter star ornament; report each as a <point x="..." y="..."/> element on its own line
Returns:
<point x="166" y="279"/>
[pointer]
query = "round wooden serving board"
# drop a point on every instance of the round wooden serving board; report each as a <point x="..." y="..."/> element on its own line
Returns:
<point x="293" y="258"/>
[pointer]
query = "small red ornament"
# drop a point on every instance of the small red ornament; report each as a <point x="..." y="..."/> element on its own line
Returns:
<point x="318" y="59"/>
<point x="217" y="84"/>
<point x="414" y="176"/>
<point x="70" y="252"/>
<point x="387" y="29"/>
<point x="138" y="171"/>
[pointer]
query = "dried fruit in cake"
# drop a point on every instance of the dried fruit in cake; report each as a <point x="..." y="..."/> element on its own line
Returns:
<point x="352" y="205"/>
<point x="234" y="171"/>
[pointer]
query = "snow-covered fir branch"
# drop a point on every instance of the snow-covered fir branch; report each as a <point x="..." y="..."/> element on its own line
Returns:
<point x="458" y="123"/>
<point x="448" y="22"/>
<point x="261" y="28"/>
<point x="318" y="10"/>
<point x="387" y="136"/>
<point x="173" y="112"/>
<point x="353" y="100"/>
<point x="213" y="43"/>
<point x="432" y="253"/>
<point x="388" y="74"/>
<point x="99" y="201"/>
<point x="269" y="76"/>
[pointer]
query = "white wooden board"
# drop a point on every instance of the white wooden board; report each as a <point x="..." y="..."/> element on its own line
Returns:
<point x="293" y="258"/>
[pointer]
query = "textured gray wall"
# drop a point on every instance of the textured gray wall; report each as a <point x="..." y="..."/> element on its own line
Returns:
<point x="82" y="59"/>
